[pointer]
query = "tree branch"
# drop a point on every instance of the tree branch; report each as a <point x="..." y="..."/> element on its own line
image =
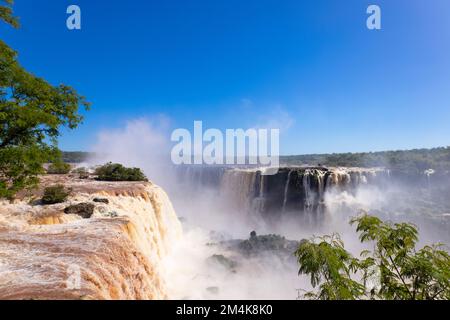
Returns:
<point x="401" y="278"/>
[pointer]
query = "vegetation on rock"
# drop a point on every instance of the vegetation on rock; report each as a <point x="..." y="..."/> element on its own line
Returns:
<point x="55" y="194"/>
<point x="270" y="242"/>
<point x="117" y="172"/>
<point x="58" y="167"/>
<point x="82" y="172"/>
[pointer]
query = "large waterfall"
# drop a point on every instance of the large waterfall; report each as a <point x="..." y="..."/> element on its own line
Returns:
<point x="292" y="191"/>
<point x="117" y="253"/>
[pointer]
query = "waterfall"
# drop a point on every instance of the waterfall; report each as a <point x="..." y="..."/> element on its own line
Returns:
<point x="237" y="187"/>
<point x="116" y="254"/>
<point x="258" y="203"/>
<point x="307" y="190"/>
<point x="261" y="187"/>
<point x="286" y="188"/>
<point x="363" y="179"/>
<point x="428" y="173"/>
<point x="292" y="190"/>
<point x="320" y="176"/>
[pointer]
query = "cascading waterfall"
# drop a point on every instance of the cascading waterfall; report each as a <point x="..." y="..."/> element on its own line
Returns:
<point x="307" y="187"/>
<point x="428" y="173"/>
<point x="116" y="254"/>
<point x="286" y="188"/>
<point x="261" y="188"/>
<point x="298" y="191"/>
<point x="243" y="182"/>
<point x="260" y="199"/>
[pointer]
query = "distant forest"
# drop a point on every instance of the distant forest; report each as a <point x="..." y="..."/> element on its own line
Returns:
<point x="75" y="156"/>
<point x="411" y="160"/>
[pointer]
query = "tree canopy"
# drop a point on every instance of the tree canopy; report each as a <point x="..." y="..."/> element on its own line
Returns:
<point x="406" y="161"/>
<point x="394" y="269"/>
<point x="32" y="111"/>
<point x="6" y="13"/>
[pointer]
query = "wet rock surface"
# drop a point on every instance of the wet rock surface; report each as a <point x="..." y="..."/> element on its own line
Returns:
<point x="84" y="209"/>
<point x="42" y="248"/>
<point x="259" y="244"/>
<point x="223" y="261"/>
<point x="101" y="200"/>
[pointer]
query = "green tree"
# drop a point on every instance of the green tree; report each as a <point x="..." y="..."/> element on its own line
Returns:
<point x="394" y="269"/>
<point x="6" y="13"/>
<point x="32" y="111"/>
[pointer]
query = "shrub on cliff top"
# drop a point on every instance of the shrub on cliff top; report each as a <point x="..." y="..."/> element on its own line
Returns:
<point x="82" y="172"/>
<point x="59" y="167"/>
<point x="55" y="194"/>
<point x="117" y="172"/>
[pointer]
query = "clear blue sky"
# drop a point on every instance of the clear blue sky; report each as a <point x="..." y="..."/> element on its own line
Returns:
<point x="234" y="64"/>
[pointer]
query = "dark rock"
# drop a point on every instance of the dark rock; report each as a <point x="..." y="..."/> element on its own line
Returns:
<point x="256" y="245"/>
<point x="213" y="290"/>
<point x="223" y="261"/>
<point x="113" y="214"/>
<point x="84" y="209"/>
<point x="102" y="200"/>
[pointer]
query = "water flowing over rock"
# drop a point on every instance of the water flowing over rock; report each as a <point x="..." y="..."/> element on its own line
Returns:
<point x="292" y="191"/>
<point x="47" y="254"/>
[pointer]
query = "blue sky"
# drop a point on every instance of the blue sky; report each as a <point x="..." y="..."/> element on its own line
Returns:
<point x="311" y="66"/>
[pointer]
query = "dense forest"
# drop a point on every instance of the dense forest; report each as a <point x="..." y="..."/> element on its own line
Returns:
<point x="410" y="160"/>
<point x="75" y="156"/>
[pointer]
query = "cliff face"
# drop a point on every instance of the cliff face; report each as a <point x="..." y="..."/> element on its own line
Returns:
<point x="298" y="191"/>
<point x="115" y="254"/>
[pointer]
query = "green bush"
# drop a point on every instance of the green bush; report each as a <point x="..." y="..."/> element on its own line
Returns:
<point x="79" y="170"/>
<point x="55" y="194"/>
<point x="82" y="172"/>
<point x="58" y="168"/>
<point x="117" y="172"/>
